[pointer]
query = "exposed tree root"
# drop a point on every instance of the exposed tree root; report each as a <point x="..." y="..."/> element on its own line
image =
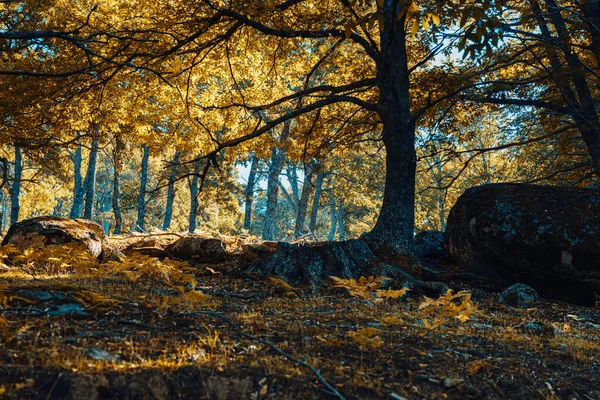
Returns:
<point x="311" y="264"/>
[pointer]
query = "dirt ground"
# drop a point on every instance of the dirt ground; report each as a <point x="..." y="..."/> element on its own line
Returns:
<point x="146" y="328"/>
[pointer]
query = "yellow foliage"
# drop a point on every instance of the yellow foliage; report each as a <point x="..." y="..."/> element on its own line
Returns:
<point x="368" y="288"/>
<point x="367" y="338"/>
<point x="449" y="305"/>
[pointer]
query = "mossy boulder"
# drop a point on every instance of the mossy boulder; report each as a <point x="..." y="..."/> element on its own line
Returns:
<point x="546" y="237"/>
<point x="48" y="230"/>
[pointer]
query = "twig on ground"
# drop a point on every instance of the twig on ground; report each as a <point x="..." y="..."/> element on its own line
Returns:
<point x="270" y="345"/>
<point x="228" y="294"/>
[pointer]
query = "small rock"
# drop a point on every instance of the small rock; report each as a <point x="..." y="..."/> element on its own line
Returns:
<point x="482" y="326"/>
<point x="520" y="296"/>
<point x="69" y="309"/>
<point x="101" y="355"/>
<point x="449" y="383"/>
<point x="538" y="329"/>
<point x="395" y="396"/>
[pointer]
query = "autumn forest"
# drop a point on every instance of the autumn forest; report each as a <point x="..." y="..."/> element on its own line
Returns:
<point x="351" y="199"/>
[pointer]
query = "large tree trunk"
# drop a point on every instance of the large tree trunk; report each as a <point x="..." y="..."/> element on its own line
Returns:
<point x="90" y="181"/>
<point x="394" y="230"/>
<point x="78" y="190"/>
<point x="194" y="192"/>
<point x="312" y="225"/>
<point x="391" y="239"/>
<point x="171" y="193"/>
<point x="15" y="191"/>
<point x="249" y="194"/>
<point x="141" y="206"/>
<point x="307" y="188"/>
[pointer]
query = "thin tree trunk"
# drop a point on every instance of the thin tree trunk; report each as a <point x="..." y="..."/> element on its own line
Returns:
<point x="249" y="194"/>
<point x="141" y="206"/>
<point x="116" y="186"/>
<point x="307" y="188"/>
<point x="332" y="215"/>
<point x="316" y="200"/>
<point x="15" y="191"/>
<point x="90" y="181"/>
<point x="194" y="191"/>
<point x="78" y="190"/>
<point x="441" y="198"/>
<point x="292" y="174"/>
<point x="341" y="223"/>
<point x="171" y="193"/>
<point x="1" y="211"/>
<point x="288" y="197"/>
<point x="272" y="194"/>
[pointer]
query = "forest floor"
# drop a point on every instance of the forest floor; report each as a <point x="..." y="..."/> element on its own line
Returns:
<point x="146" y="328"/>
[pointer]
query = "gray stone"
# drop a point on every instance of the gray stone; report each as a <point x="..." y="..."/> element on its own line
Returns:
<point x="520" y="296"/>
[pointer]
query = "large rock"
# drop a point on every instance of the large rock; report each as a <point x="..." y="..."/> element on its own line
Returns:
<point x="44" y="231"/>
<point x="546" y="237"/>
<point x="198" y="249"/>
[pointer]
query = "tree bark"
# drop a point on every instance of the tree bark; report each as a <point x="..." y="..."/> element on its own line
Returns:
<point x="15" y="190"/>
<point x="141" y="206"/>
<point x="249" y="194"/>
<point x="307" y="188"/>
<point x="394" y="230"/>
<point x="171" y="193"/>
<point x="90" y="181"/>
<point x="78" y="190"/>
<point x="194" y="192"/>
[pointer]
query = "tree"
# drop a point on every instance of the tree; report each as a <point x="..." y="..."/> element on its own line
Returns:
<point x="552" y="66"/>
<point x="322" y="85"/>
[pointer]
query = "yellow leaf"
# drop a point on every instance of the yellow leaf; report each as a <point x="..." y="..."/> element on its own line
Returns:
<point x="196" y="296"/>
<point x="131" y="276"/>
<point x="391" y="294"/>
<point x="415" y="27"/>
<point x="391" y="320"/>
